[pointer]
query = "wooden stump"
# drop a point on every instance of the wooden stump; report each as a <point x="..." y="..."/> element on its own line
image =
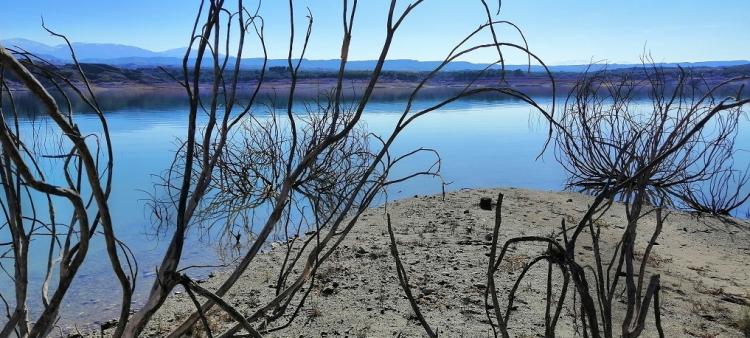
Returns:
<point x="485" y="203"/>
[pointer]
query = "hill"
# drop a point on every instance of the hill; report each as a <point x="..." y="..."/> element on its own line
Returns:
<point x="134" y="57"/>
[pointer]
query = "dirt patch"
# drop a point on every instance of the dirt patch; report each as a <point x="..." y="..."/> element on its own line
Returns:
<point x="704" y="264"/>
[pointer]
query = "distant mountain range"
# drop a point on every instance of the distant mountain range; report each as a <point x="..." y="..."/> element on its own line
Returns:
<point x="135" y="57"/>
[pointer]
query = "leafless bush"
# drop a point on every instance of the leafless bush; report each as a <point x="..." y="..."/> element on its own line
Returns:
<point x="646" y="158"/>
<point x="33" y="199"/>
<point x="316" y="170"/>
<point x="324" y="163"/>
<point x="722" y="194"/>
<point x="606" y="136"/>
<point x="615" y="151"/>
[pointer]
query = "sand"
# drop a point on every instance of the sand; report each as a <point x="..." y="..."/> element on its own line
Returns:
<point x="704" y="264"/>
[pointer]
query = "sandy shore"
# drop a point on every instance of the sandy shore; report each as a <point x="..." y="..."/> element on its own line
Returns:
<point x="704" y="264"/>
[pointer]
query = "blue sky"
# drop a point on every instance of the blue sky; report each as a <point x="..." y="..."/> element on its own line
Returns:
<point x="559" y="31"/>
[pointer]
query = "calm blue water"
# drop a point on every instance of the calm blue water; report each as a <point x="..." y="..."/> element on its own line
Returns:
<point x="483" y="143"/>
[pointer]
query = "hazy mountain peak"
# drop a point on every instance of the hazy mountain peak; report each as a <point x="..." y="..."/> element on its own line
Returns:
<point x="30" y="45"/>
<point x="131" y="56"/>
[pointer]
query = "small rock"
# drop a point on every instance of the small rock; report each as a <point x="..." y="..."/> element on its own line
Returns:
<point x="709" y="318"/>
<point x="427" y="291"/>
<point x="327" y="291"/>
<point x="109" y="324"/>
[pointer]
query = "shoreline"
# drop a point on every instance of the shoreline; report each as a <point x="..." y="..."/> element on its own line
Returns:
<point x="443" y="247"/>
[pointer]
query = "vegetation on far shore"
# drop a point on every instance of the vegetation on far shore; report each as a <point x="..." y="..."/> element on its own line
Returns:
<point x="110" y="76"/>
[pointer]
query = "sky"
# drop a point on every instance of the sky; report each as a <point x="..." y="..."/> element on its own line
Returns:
<point x="558" y="31"/>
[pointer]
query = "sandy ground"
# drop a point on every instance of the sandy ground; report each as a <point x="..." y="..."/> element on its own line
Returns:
<point x="704" y="264"/>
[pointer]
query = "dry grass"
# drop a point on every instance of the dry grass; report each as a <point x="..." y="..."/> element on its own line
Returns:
<point x="513" y="263"/>
<point x="654" y="260"/>
<point x="313" y="311"/>
<point x="217" y="319"/>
